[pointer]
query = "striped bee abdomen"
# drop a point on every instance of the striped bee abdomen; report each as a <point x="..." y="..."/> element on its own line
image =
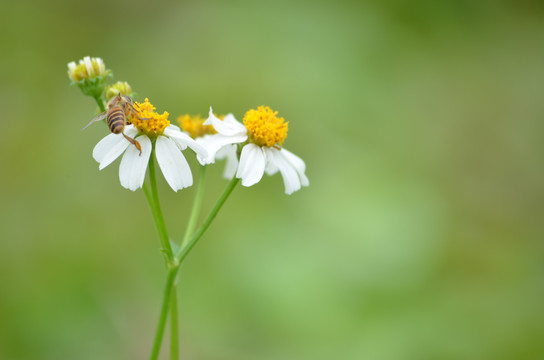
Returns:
<point x="116" y="120"/>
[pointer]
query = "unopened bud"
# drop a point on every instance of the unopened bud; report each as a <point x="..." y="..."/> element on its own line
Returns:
<point x="121" y="87"/>
<point x="90" y="74"/>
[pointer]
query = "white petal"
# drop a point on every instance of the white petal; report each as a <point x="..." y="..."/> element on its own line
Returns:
<point x="101" y="65"/>
<point x="203" y="160"/>
<point x="228" y="152"/>
<point x="88" y="66"/>
<point x="298" y="164"/>
<point x="270" y="169"/>
<point x="130" y="130"/>
<point x="174" y="167"/>
<point x="251" y="168"/>
<point x="183" y="140"/>
<point x="288" y="172"/>
<point x="228" y="128"/>
<point x="224" y="152"/>
<point x="230" y="119"/>
<point x="213" y="143"/>
<point x="172" y="126"/>
<point x="109" y="148"/>
<point x="133" y="165"/>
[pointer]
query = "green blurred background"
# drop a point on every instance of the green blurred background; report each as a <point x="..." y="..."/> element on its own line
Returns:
<point x="420" y="237"/>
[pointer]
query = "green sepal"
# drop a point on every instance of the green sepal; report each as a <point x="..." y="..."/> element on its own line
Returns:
<point x="93" y="87"/>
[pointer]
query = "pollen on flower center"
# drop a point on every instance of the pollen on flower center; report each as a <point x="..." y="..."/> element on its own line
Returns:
<point x="264" y="127"/>
<point x="150" y="123"/>
<point x="194" y="126"/>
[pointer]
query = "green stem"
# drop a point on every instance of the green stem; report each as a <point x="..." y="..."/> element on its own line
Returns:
<point x="197" y="204"/>
<point x="149" y="198"/>
<point x="100" y="103"/>
<point x="174" y="338"/>
<point x="172" y="272"/>
<point x="152" y="196"/>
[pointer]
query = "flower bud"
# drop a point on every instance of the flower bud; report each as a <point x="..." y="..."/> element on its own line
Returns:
<point x="121" y="87"/>
<point x="90" y="74"/>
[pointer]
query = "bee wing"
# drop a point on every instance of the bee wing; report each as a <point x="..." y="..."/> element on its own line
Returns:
<point x="97" y="118"/>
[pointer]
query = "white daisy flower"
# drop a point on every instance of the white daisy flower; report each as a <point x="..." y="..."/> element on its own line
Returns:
<point x="265" y="133"/>
<point x="169" y="141"/>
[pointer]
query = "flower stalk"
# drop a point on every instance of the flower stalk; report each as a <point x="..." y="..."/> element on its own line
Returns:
<point x="152" y="196"/>
<point x="197" y="204"/>
<point x="174" y="337"/>
<point x="166" y="299"/>
<point x="100" y="103"/>
<point x="172" y="272"/>
<point x="170" y="295"/>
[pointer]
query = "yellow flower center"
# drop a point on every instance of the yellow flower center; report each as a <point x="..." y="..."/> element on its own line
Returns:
<point x="194" y="125"/>
<point x="149" y="122"/>
<point x="264" y="127"/>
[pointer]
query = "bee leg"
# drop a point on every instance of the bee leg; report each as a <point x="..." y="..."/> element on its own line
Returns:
<point x="135" y="112"/>
<point x="134" y="142"/>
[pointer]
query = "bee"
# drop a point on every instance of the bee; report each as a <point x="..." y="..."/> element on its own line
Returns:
<point x="118" y="109"/>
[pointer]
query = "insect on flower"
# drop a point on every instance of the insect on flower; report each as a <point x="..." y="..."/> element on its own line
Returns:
<point x="119" y="107"/>
<point x="155" y="135"/>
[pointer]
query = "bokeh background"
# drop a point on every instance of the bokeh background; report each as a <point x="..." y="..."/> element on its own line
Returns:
<point x="420" y="237"/>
